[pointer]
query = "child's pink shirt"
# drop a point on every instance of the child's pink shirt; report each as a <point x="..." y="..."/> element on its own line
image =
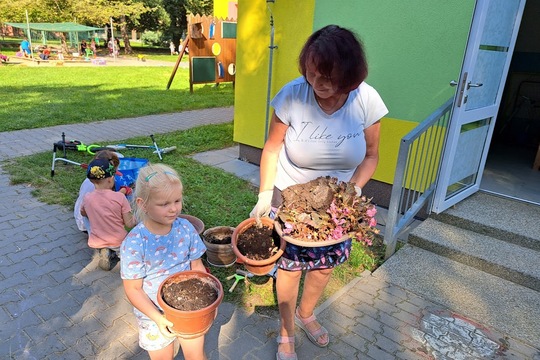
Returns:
<point x="105" y="209"/>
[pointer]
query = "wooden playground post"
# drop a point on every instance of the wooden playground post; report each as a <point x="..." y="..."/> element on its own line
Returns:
<point x="184" y="44"/>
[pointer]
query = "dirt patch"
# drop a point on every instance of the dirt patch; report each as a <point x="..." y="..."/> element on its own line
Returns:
<point x="99" y="61"/>
<point x="189" y="295"/>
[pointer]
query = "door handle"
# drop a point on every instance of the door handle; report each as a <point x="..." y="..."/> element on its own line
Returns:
<point x="453" y="83"/>
<point x="470" y="85"/>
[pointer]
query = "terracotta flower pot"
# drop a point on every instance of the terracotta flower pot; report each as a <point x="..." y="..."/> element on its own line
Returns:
<point x="195" y="221"/>
<point x="256" y="267"/>
<point x="191" y="324"/>
<point x="220" y="255"/>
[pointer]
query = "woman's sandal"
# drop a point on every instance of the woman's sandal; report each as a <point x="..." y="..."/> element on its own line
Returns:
<point x="315" y="335"/>
<point x="280" y="355"/>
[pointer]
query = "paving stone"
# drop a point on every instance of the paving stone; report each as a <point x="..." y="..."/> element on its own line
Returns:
<point x="363" y="297"/>
<point x="411" y="355"/>
<point x="350" y="312"/>
<point x="344" y="350"/>
<point x="400" y="336"/>
<point x="241" y="345"/>
<point x="24" y="253"/>
<point x="378" y="353"/>
<point x="9" y="268"/>
<point x="355" y="340"/>
<point x="363" y="331"/>
<point x="82" y="330"/>
<point x="19" y="346"/>
<point x="390" y="345"/>
<point x="406" y="317"/>
<point x="394" y="292"/>
<point x="409" y="307"/>
<point x="16" y="281"/>
<point x="371" y="323"/>
<point x="45" y="257"/>
<point x="386" y="307"/>
<point x="50" y="346"/>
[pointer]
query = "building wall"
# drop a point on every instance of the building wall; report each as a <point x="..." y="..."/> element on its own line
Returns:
<point x="414" y="48"/>
<point x="252" y="58"/>
<point x="225" y="9"/>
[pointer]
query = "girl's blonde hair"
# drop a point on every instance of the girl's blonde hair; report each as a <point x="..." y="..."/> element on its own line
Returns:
<point x="153" y="178"/>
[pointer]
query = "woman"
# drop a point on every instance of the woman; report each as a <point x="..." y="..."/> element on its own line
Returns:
<point x="325" y="123"/>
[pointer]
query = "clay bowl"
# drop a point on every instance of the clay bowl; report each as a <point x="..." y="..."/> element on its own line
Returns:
<point x="195" y="221"/>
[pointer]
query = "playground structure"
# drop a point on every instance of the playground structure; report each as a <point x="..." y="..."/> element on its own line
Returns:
<point x="212" y="50"/>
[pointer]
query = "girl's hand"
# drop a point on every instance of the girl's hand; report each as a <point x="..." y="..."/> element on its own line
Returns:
<point x="163" y="325"/>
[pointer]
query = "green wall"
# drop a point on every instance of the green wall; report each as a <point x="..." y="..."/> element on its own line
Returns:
<point x="414" y="47"/>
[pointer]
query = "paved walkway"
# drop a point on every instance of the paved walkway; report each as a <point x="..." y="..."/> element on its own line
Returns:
<point x="55" y="303"/>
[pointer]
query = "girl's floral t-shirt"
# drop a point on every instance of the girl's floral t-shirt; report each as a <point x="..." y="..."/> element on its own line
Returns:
<point x="153" y="258"/>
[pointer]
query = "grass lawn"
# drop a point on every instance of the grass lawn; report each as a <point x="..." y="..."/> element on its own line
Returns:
<point x="46" y="96"/>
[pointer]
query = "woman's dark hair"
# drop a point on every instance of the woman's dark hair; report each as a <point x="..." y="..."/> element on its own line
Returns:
<point x="337" y="54"/>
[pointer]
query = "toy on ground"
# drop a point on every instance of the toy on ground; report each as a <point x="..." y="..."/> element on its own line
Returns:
<point x="77" y="145"/>
<point x="157" y="150"/>
<point x="240" y="275"/>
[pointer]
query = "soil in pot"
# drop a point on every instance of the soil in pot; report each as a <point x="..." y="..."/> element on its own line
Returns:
<point x="258" y="242"/>
<point x="189" y="295"/>
<point x="219" y="238"/>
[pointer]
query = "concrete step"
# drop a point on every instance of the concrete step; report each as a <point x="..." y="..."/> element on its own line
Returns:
<point x="511" y="262"/>
<point x="505" y="219"/>
<point x="505" y="306"/>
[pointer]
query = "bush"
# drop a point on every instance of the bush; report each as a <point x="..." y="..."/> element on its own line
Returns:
<point x="152" y="38"/>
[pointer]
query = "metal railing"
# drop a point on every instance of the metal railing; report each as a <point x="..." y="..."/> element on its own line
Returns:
<point x="418" y="162"/>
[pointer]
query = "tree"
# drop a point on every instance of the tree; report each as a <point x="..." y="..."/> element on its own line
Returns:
<point x="201" y="7"/>
<point x="168" y="16"/>
<point x="178" y="10"/>
<point x="177" y="15"/>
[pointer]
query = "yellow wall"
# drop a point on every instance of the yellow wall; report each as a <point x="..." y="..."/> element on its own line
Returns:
<point x="221" y="8"/>
<point x="252" y="55"/>
<point x="391" y="129"/>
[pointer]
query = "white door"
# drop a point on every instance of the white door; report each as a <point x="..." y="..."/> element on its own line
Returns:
<point x="493" y="34"/>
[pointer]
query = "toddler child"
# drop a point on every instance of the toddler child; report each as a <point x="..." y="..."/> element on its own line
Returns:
<point x="160" y="245"/>
<point x="87" y="186"/>
<point x="108" y="212"/>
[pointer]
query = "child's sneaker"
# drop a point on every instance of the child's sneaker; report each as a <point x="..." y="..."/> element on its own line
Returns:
<point x="105" y="258"/>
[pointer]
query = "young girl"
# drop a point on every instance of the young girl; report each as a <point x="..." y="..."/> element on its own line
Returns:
<point x="160" y="245"/>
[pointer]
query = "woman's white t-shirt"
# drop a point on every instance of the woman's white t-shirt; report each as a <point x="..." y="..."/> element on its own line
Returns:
<point x="317" y="144"/>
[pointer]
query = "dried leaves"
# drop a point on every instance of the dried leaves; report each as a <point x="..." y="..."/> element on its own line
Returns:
<point x="325" y="209"/>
